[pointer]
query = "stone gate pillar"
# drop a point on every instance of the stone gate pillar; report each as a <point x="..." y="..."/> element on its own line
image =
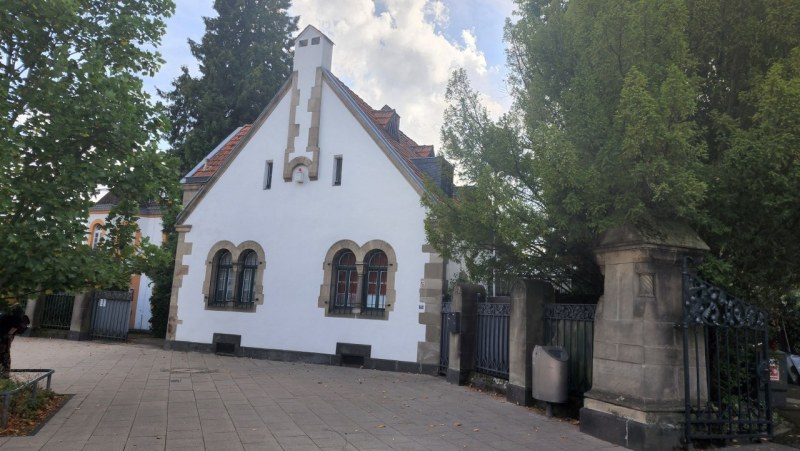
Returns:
<point x="526" y="330"/>
<point x="81" y="316"/>
<point x="637" y="396"/>
<point x="462" y="344"/>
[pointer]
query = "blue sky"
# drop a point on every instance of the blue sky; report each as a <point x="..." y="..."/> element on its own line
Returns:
<point x="395" y="52"/>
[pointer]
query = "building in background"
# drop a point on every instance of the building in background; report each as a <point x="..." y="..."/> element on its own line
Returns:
<point x="150" y="226"/>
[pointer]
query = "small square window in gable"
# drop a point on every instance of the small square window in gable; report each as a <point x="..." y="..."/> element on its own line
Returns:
<point x="303" y="42"/>
<point x="315" y="41"/>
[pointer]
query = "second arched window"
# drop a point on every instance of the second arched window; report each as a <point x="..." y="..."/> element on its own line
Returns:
<point x="346" y="282"/>
<point x="223" y="288"/>
<point x="375" y="281"/>
<point x="247" y="277"/>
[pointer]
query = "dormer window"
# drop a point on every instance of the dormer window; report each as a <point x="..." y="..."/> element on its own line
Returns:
<point x="303" y="42"/>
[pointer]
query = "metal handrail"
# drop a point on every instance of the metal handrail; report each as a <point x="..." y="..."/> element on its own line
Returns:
<point x="7" y="394"/>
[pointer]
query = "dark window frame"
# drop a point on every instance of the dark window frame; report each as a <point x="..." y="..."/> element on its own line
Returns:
<point x="345" y="279"/>
<point x="268" y="175"/>
<point x="248" y="264"/>
<point x="223" y="290"/>
<point x="375" y="282"/>
<point x="337" y="170"/>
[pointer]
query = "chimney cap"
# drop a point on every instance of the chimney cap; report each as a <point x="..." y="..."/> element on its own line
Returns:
<point x="310" y="32"/>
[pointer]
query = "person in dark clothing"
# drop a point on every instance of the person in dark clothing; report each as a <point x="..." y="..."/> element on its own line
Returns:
<point x="10" y="325"/>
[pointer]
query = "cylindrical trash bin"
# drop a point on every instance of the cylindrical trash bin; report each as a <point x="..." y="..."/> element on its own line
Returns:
<point x="550" y="373"/>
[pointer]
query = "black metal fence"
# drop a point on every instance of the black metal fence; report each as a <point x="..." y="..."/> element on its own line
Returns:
<point x="571" y="326"/>
<point x="57" y="311"/>
<point x="444" y="340"/>
<point x="726" y="365"/>
<point x="492" y="334"/>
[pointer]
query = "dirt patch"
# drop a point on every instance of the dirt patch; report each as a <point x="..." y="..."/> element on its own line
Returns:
<point x="28" y="421"/>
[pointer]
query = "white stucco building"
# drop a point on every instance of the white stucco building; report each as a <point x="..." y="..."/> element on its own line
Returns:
<point x="302" y="235"/>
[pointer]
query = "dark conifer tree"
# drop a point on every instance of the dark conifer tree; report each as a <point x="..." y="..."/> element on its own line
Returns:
<point x="244" y="57"/>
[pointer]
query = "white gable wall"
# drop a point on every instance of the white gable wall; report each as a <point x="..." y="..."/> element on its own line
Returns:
<point x="296" y="225"/>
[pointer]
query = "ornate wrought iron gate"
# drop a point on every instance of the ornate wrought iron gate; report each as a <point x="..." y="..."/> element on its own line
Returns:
<point x="111" y="313"/>
<point x="726" y="364"/>
<point x="444" y="340"/>
<point x="491" y="350"/>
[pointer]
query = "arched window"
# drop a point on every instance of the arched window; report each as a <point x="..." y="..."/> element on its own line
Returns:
<point x="223" y="286"/>
<point x="247" y="277"/>
<point x="359" y="281"/>
<point x="345" y="282"/>
<point x="97" y="234"/>
<point x="375" y="277"/>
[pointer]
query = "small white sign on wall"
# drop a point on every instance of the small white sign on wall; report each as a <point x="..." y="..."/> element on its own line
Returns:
<point x="102" y="303"/>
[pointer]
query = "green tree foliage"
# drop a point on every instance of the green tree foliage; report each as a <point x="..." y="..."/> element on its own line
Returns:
<point x="496" y="224"/>
<point x="73" y="117"/>
<point x="747" y="59"/>
<point x="245" y="56"/>
<point x="636" y="111"/>
<point x="755" y="213"/>
<point x="608" y="100"/>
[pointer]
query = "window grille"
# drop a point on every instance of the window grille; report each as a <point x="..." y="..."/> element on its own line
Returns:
<point x="375" y="298"/>
<point x="346" y="282"/>
<point x="223" y="292"/>
<point x="248" y="275"/>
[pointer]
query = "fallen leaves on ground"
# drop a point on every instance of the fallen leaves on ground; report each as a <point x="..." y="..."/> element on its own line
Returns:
<point x="18" y="426"/>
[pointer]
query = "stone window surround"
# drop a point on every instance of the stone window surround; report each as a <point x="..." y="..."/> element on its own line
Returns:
<point x="236" y="253"/>
<point x="361" y="252"/>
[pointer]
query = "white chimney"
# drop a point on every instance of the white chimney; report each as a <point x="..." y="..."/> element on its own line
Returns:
<point x="312" y="49"/>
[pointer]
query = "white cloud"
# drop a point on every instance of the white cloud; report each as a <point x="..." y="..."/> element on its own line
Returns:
<point x="395" y="52"/>
<point x="398" y="55"/>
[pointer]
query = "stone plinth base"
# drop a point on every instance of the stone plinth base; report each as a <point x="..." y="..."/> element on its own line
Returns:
<point x="632" y="428"/>
<point x="457" y="377"/>
<point x="519" y="395"/>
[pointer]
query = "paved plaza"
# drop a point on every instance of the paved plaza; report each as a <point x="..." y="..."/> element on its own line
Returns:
<point x="129" y="396"/>
<point x="141" y="397"/>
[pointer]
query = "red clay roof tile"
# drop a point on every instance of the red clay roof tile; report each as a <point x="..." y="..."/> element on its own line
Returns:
<point x="216" y="161"/>
<point x="406" y="147"/>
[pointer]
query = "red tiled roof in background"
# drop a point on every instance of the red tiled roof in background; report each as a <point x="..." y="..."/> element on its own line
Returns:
<point x="216" y="161"/>
<point x="406" y="147"/>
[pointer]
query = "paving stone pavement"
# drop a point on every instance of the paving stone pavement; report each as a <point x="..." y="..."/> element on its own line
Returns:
<point x="141" y="397"/>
